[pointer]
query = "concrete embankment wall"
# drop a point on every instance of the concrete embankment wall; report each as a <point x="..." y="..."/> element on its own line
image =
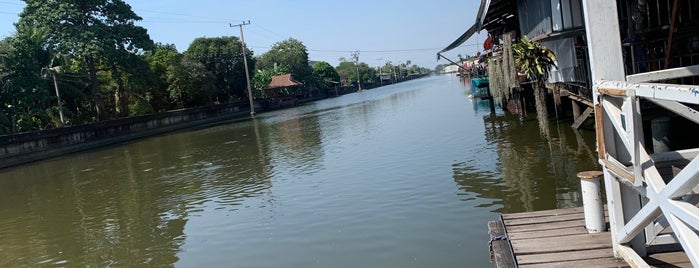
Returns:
<point x="20" y="148"/>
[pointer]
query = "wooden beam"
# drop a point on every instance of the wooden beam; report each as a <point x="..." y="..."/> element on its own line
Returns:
<point x="581" y="119"/>
<point x="500" y="249"/>
<point x="612" y="91"/>
<point x="580" y="99"/>
<point x="619" y="170"/>
<point x="599" y="129"/>
<point x="671" y="34"/>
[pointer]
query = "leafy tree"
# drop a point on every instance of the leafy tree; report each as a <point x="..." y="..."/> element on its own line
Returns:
<point x="291" y="55"/>
<point x="367" y="74"/>
<point x="171" y="83"/>
<point x="199" y="84"/>
<point x="325" y="74"/>
<point x="99" y="33"/>
<point x="350" y="69"/>
<point x="347" y="69"/>
<point x="133" y="78"/>
<point x="25" y="92"/>
<point x="222" y="58"/>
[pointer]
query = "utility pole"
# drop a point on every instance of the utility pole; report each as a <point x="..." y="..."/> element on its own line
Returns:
<point x="355" y="55"/>
<point x="53" y="71"/>
<point x="379" y="69"/>
<point x="245" y="63"/>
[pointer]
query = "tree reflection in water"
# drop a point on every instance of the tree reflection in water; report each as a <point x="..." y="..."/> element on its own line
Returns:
<point x="530" y="172"/>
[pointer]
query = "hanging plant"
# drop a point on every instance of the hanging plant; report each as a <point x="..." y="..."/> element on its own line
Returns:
<point x="535" y="61"/>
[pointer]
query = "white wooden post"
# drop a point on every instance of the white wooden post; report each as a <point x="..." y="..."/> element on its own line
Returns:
<point x="606" y="63"/>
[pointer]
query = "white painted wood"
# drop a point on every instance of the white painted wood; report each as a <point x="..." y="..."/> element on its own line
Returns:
<point x="634" y="132"/>
<point x="672" y="92"/>
<point x="679" y="108"/>
<point x="685" y="181"/>
<point x="614" y="114"/>
<point x="664" y="74"/>
<point x="675" y="155"/>
<point x="651" y="175"/>
<point x="688" y="238"/>
<point x="623" y="142"/>
<point x="664" y="239"/>
<point x="631" y="257"/>
<point x="631" y="206"/>
<point x="603" y="42"/>
<point x="639" y="222"/>
<point x="684" y="211"/>
<point x="616" y="215"/>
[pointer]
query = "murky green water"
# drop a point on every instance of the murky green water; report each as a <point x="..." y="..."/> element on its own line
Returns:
<point x="402" y="176"/>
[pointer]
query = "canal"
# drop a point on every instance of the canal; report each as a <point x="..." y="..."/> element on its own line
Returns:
<point x="405" y="175"/>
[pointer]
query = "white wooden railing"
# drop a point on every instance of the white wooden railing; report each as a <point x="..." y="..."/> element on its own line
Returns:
<point x="642" y="204"/>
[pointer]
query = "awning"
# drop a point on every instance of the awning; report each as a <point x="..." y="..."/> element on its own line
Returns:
<point x="482" y="11"/>
<point x="461" y="38"/>
<point x="492" y="14"/>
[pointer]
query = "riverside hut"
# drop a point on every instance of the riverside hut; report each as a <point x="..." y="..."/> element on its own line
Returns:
<point x="282" y="90"/>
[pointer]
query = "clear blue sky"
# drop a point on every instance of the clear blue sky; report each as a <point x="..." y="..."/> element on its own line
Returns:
<point x="395" y="30"/>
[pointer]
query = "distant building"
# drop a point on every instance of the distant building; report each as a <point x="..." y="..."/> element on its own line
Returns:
<point x="451" y="69"/>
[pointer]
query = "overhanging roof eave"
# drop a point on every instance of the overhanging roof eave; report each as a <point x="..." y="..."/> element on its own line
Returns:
<point x="480" y="17"/>
<point x="461" y="38"/>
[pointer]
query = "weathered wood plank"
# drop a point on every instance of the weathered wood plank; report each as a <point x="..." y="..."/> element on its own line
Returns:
<point x="565" y="256"/>
<point x="605" y="262"/>
<point x="557" y="244"/>
<point x="546" y="226"/>
<point x="544" y="219"/>
<point x="543" y="213"/>
<point x="547" y="233"/>
<point x="500" y="250"/>
<point x="557" y="238"/>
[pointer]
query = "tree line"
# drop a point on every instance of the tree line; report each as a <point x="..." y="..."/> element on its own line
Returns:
<point x="103" y="66"/>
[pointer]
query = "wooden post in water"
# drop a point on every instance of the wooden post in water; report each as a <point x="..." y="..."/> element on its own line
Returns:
<point x="592" y="201"/>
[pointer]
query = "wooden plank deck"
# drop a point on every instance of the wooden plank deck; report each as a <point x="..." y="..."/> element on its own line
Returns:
<point x="557" y="238"/>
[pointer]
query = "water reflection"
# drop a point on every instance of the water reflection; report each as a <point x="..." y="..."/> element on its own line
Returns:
<point x="128" y="206"/>
<point x="529" y="168"/>
<point x="404" y="176"/>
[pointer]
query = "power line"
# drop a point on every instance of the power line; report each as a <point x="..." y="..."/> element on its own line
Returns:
<point x="181" y="15"/>
<point x="183" y="21"/>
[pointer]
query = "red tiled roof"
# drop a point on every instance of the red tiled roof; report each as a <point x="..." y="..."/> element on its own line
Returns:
<point x="281" y="81"/>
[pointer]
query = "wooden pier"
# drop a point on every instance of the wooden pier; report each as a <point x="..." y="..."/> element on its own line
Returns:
<point x="557" y="238"/>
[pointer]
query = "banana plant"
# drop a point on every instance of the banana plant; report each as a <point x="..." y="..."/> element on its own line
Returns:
<point x="533" y="59"/>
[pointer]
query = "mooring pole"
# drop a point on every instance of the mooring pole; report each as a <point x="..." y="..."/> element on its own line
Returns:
<point x="593" y="205"/>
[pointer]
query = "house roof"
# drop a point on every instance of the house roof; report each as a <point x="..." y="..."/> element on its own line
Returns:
<point x="282" y="81"/>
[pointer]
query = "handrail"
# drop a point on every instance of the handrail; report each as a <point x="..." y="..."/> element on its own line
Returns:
<point x="673" y="202"/>
<point x="664" y="74"/>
